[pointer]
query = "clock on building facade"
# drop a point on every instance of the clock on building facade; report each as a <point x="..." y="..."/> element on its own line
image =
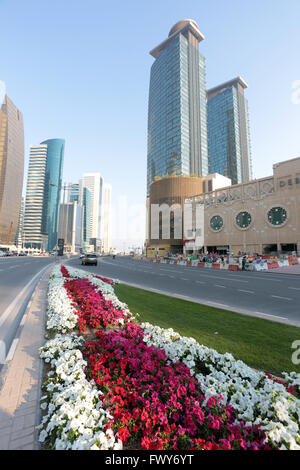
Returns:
<point x="243" y="220"/>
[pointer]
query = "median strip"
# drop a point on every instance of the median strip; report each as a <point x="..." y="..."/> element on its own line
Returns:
<point x="152" y="387"/>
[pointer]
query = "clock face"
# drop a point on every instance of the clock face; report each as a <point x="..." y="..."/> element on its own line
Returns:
<point x="216" y="223"/>
<point x="277" y="216"/>
<point x="243" y="220"/>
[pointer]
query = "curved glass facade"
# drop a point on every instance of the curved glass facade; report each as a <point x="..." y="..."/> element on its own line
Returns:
<point x="52" y="191"/>
<point x="177" y="113"/>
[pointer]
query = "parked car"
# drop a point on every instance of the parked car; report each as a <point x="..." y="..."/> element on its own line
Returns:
<point x="2" y="254"/>
<point x="89" y="259"/>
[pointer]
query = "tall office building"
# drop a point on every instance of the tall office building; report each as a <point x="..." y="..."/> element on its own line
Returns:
<point x="35" y="199"/>
<point x="106" y="229"/>
<point x="53" y="186"/>
<point x="73" y="192"/>
<point x="19" y="235"/>
<point x="177" y="112"/>
<point x="228" y="131"/>
<point x="94" y="183"/>
<point x="70" y="226"/>
<point x="85" y="201"/>
<point x="11" y="169"/>
<point x="44" y="186"/>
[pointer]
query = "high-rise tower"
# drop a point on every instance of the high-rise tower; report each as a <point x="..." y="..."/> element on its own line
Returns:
<point x="11" y="169"/>
<point x="228" y="131"/>
<point x="177" y="114"/>
<point x="53" y="186"/>
<point x="35" y="199"/>
<point x="44" y="186"/>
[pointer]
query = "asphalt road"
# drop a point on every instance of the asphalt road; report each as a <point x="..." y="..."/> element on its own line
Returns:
<point x="18" y="278"/>
<point x="265" y="294"/>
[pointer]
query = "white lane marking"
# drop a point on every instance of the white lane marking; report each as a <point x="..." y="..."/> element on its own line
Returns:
<point x="247" y="291"/>
<point x="184" y="279"/>
<point x="14" y="303"/>
<point x="12" y="350"/>
<point x="279" y="297"/>
<point x="224" y="278"/>
<point x="222" y="287"/>
<point x="200" y="282"/>
<point x="265" y="278"/>
<point x="294" y="288"/>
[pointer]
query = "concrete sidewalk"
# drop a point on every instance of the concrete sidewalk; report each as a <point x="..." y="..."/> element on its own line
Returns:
<point x="21" y="377"/>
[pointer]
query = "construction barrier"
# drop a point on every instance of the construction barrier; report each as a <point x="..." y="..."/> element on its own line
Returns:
<point x="273" y="265"/>
<point x="233" y="267"/>
<point x="265" y="265"/>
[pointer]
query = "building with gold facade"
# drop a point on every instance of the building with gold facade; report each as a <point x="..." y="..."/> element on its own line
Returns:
<point x="11" y="170"/>
<point x="165" y="207"/>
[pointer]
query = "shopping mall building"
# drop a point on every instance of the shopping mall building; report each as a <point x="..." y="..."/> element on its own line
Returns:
<point x="209" y="214"/>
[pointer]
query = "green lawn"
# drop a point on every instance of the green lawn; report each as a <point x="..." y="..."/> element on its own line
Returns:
<point x="259" y="343"/>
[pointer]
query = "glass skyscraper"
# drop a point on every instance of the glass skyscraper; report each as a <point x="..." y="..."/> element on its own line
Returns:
<point x="228" y="131"/>
<point x="73" y="192"/>
<point x="177" y="112"/>
<point x="11" y="169"/>
<point x="35" y="203"/>
<point x="86" y="204"/>
<point x="44" y="184"/>
<point x="53" y="186"/>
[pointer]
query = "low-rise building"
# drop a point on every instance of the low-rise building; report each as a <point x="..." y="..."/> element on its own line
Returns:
<point x="197" y="215"/>
<point x="261" y="216"/>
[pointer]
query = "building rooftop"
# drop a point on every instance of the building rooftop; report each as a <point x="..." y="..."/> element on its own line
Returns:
<point x="224" y="86"/>
<point x="179" y="27"/>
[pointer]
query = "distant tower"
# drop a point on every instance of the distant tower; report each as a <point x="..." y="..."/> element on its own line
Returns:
<point x="94" y="183"/>
<point x="229" y="132"/>
<point x="106" y="218"/>
<point x="44" y="183"/>
<point x="19" y="234"/>
<point x="177" y="114"/>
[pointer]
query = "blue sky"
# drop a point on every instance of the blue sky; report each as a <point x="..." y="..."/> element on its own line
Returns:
<point x="80" y="70"/>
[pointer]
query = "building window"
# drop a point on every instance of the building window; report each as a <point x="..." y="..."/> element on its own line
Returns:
<point x="243" y="220"/>
<point x="277" y="216"/>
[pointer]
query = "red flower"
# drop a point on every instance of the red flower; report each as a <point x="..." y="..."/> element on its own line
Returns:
<point x="123" y="434"/>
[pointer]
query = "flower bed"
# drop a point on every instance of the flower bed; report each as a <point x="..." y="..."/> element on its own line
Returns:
<point x="75" y="416"/>
<point x="258" y="399"/>
<point x="158" y="390"/>
<point x="157" y="404"/>
<point x="91" y="306"/>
